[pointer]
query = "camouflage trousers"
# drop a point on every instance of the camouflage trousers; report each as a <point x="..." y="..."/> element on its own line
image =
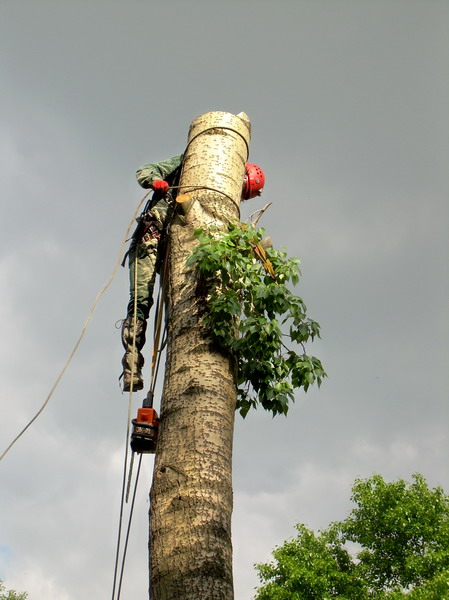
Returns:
<point x="143" y="266"/>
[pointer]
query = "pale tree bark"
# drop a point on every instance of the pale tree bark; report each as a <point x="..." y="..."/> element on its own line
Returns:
<point x="191" y="495"/>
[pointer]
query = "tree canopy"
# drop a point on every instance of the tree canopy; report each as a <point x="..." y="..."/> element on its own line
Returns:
<point x="11" y="594"/>
<point x="394" y="544"/>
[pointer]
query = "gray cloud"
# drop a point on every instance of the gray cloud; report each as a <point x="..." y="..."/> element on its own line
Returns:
<point x="348" y="102"/>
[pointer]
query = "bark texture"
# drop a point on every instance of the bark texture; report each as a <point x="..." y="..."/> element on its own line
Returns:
<point x="191" y="495"/>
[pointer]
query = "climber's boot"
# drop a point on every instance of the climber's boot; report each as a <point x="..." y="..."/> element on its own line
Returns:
<point x="133" y="360"/>
<point x="132" y="363"/>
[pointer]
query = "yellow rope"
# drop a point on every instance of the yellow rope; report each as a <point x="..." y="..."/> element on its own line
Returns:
<point x="260" y="253"/>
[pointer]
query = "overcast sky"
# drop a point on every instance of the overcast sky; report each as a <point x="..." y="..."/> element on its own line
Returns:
<point x="348" y="101"/>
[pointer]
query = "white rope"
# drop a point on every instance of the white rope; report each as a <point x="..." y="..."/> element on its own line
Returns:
<point x="83" y="330"/>
<point x="125" y="460"/>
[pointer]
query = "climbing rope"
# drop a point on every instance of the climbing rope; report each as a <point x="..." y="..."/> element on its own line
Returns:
<point x="83" y="330"/>
<point x="156" y="355"/>
<point x="125" y="461"/>
<point x="128" y="529"/>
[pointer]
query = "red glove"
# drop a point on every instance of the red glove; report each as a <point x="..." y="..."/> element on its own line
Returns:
<point x="159" y="185"/>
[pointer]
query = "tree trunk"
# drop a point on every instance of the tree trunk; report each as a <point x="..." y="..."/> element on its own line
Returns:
<point x="191" y="495"/>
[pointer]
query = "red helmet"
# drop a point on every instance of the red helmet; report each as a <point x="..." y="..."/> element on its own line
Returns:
<point x="253" y="182"/>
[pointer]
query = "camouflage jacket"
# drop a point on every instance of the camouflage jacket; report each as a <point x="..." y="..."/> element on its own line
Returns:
<point x="157" y="210"/>
<point x="168" y="170"/>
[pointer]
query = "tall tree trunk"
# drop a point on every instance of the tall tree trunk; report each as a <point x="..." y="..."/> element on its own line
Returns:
<point x="191" y="495"/>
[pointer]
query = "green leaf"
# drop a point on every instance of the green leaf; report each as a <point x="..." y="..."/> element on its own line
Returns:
<point x="246" y="313"/>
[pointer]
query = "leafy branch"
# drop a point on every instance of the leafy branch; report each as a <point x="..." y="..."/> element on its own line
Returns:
<point x="251" y="311"/>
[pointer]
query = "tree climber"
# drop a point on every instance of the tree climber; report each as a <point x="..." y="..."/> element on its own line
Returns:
<point x="147" y="251"/>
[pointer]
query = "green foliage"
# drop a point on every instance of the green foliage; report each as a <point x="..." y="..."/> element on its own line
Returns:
<point x="401" y="532"/>
<point x="11" y="594"/>
<point x="313" y="567"/>
<point x="252" y="314"/>
<point x="401" y="529"/>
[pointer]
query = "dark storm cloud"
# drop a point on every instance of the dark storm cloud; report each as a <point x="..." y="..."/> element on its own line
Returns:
<point x="348" y="102"/>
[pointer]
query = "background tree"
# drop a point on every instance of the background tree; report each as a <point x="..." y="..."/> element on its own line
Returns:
<point x="400" y="532"/>
<point x="11" y="594"/>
